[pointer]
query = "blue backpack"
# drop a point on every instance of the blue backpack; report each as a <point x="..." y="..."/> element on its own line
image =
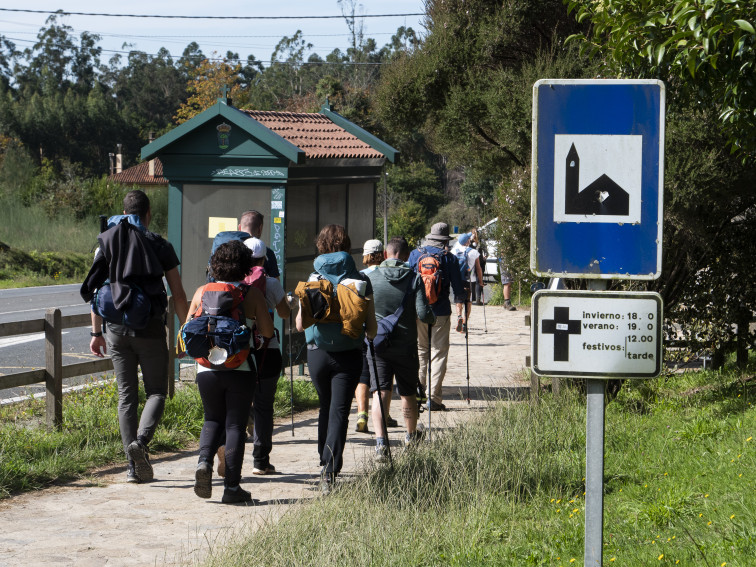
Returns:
<point x="137" y="313"/>
<point x="464" y="267"/>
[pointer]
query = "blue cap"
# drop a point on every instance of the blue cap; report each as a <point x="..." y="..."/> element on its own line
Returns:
<point x="464" y="238"/>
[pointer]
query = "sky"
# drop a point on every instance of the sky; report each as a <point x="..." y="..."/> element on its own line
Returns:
<point x="245" y="37"/>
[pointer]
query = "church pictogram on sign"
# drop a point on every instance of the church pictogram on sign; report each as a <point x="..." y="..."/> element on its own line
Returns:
<point x="602" y="197"/>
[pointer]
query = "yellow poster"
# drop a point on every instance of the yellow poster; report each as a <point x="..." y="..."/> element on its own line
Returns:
<point x="220" y="224"/>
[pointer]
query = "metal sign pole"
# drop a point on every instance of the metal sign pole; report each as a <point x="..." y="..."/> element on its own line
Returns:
<point x="594" y="473"/>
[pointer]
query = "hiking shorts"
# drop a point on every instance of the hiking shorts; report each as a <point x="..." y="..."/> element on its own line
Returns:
<point x="506" y="277"/>
<point x="365" y="375"/>
<point x="403" y="366"/>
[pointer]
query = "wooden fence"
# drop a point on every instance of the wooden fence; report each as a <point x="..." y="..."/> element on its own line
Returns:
<point x="55" y="371"/>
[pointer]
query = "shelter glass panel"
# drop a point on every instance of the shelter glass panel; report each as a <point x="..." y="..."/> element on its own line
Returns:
<point x="361" y="213"/>
<point x="332" y="205"/>
<point x="208" y="209"/>
<point x="301" y="221"/>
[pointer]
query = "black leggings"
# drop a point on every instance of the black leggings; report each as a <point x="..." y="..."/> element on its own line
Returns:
<point x="226" y="397"/>
<point x="335" y="376"/>
<point x="269" y="370"/>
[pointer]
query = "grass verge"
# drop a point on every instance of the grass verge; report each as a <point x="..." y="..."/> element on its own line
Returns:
<point x="32" y="456"/>
<point x="508" y="488"/>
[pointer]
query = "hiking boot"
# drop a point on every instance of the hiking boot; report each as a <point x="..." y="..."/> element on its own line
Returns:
<point x="381" y="451"/>
<point x="327" y="482"/>
<point x="436" y="406"/>
<point x="203" y="479"/>
<point x="362" y="422"/>
<point x="460" y="324"/>
<point x="412" y="439"/>
<point x="508" y="305"/>
<point x="131" y="476"/>
<point x="235" y="495"/>
<point x="221" y="461"/>
<point x="391" y="422"/>
<point x="137" y="452"/>
<point x="263" y="470"/>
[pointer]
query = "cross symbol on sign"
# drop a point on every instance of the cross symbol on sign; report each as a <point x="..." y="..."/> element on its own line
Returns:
<point x="561" y="326"/>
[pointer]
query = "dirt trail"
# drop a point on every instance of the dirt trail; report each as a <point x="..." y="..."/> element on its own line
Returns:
<point x="101" y="520"/>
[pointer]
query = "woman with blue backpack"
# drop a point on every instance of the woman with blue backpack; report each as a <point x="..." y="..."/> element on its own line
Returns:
<point x="225" y="379"/>
<point x="336" y="313"/>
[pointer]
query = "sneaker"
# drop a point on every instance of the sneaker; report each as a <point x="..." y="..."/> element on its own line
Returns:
<point x="221" y="461"/>
<point x="138" y="453"/>
<point x="508" y="305"/>
<point x="235" y="495"/>
<point x="391" y="422"/>
<point x="270" y="469"/>
<point x="362" y="422"/>
<point x="460" y="324"/>
<point x="435" y="406"/>
<point x="479" y="303"/>
<point x="203" y="479"/>
<point x="131" y="476"/>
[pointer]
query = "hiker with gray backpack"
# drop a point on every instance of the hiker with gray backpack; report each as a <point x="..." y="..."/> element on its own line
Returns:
<point x="399" y="295"/>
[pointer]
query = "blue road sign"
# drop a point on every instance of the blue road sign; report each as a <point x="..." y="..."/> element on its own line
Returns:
<point x="597" y="181"/>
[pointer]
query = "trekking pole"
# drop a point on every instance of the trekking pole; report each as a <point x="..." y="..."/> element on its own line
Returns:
<point x="485" y="325"/>
<point x="291" y="372"/>
<point x="467" y="358"/>
<point x="380" y="403"/>
<point x="429" y="391"/>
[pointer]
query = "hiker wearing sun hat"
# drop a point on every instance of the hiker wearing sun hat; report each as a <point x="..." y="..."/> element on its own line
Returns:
<point x="440" y="271"/>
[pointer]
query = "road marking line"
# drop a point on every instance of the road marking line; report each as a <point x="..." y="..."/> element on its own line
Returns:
<point x="11" y="341"/>
<point x="40" y="309"/>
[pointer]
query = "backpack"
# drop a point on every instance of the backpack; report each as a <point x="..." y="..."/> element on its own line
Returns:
<point x="135" y="315"/>
<point x="429" y="268"/>
<point x="258" y="279"/>
<point x="217" y="328"/>
<point x="386" y="326"/>
<point x="464" y="266"/>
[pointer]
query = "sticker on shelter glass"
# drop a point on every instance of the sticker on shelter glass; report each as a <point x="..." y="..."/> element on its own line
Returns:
<point x="224" y="135"/>
<point x="597" y="178"/>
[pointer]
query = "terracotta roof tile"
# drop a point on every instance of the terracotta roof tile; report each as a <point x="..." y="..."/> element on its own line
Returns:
<point x="140" y="175"/>
<point x="315" y="134"/>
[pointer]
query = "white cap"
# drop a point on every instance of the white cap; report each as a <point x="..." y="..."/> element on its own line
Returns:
<point x="257" y="246"/>
<point x="372" y="246"/>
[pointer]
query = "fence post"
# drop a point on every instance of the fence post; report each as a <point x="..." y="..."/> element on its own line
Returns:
<point x="53" y="368"/>
<point x="171" y="374"/>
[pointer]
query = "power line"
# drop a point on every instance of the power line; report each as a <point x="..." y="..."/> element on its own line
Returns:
<point x="239" y="60"/>
<point x="177" y="17"/>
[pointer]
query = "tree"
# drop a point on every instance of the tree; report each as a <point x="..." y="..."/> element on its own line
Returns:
<point x="706" y="49"/>
<point x="206" y="86"/>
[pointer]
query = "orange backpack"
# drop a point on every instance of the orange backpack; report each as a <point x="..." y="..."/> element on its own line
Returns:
<point x="429" y="268"/>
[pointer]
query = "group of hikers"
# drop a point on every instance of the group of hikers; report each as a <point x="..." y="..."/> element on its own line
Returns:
<point x="367" y="331"/>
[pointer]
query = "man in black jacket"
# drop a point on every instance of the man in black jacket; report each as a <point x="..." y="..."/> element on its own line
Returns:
<point x="131" y="256"/>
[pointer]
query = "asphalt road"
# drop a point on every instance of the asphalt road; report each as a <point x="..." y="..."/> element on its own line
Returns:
<point x="26" y="352"/>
